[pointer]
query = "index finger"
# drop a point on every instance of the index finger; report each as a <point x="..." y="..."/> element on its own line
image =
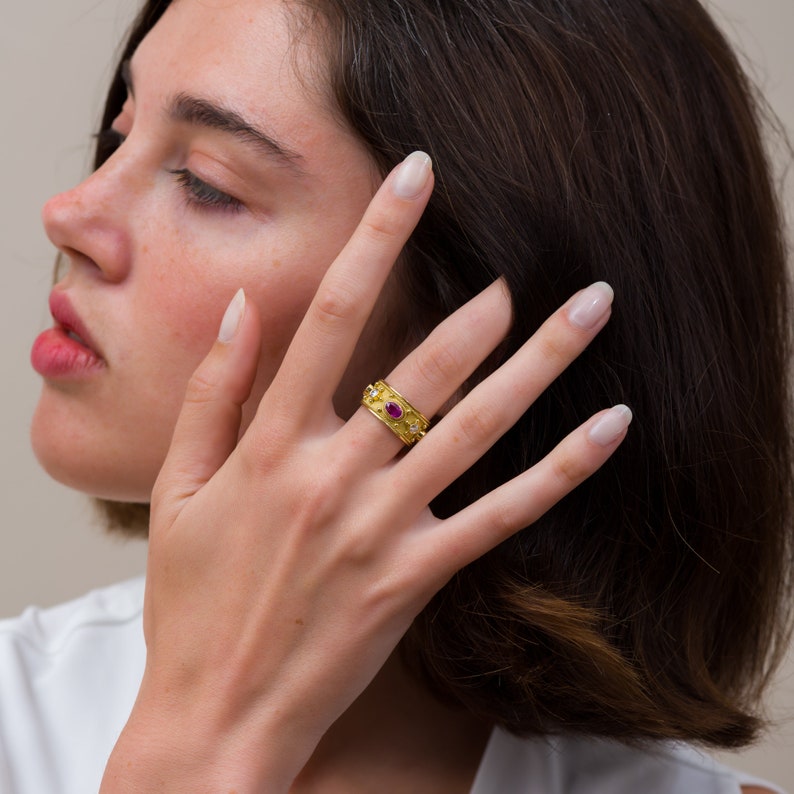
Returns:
<point x="326" y="338"/>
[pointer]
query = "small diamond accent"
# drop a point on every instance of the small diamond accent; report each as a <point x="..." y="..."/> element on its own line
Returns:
<point x="414" y="429"/>
<point x="373" y="393"/>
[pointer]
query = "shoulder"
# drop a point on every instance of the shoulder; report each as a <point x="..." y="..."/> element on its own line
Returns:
<point x="51" y="656"/>
<point x="68" y="678"/>
<point x="582" y="765"/>
<point x="50" y="630"/>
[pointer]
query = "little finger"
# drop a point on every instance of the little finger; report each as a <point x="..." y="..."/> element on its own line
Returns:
<point x="520" y="502"/>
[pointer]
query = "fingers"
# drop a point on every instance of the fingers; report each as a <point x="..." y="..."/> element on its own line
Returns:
<point x="473" y="425"/>
<point x="432" y="373"/>
<point x="522" y="501"/>
<point x="322" y="346"/>
<point x="209" y="422"/>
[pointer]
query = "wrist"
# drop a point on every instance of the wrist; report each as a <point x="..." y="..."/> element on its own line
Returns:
<point x="163" y="750"/>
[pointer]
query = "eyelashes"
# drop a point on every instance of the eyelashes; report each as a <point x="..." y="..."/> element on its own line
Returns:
<point x="197" y="192"/>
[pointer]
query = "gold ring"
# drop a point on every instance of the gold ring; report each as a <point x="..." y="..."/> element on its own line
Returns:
<point x="396" y="412"/>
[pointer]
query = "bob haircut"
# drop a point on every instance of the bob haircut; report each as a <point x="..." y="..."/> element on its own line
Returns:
<point x="578" y="140"/>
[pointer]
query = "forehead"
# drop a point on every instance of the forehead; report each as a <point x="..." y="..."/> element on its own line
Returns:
<point x="243" y="52"/>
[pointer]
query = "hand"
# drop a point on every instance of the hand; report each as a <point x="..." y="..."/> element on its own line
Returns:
<point x="285" y="568"/>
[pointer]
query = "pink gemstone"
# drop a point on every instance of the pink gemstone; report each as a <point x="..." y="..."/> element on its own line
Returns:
<point x="394" y="410"/>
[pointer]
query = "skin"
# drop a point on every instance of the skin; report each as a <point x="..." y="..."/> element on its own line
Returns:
<point x="151" y="274"/>
<point x="329" y="563"/>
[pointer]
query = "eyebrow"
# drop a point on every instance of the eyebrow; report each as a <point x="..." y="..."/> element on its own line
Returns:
<point x="204" y="113"/>
<point x="200" y="112"/>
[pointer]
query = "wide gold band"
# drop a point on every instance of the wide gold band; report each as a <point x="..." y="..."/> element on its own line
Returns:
<point x="396" y="412"/>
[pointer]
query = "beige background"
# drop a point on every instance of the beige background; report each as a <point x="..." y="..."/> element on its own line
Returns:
<point x="54" y="63"/>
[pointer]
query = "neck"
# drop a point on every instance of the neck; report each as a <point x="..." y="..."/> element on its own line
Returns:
<point x="396" y="737"/>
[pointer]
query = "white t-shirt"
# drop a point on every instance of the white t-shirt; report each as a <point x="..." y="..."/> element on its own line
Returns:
<point x="69" y="676"/>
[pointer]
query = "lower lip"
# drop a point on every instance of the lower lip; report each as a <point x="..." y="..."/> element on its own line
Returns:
<point x="55" y="354"/>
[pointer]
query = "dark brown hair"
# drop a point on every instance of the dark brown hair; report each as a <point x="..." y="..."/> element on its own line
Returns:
<point x="577" y="140"/>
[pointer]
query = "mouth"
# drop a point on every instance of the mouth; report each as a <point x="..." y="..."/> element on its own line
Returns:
<point x="75" y="337"/>
<point x="69" y="322"/>
<point x="66" y="352"/>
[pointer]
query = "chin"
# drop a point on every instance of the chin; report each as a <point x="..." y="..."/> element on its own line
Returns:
<point x="91" y="458"/>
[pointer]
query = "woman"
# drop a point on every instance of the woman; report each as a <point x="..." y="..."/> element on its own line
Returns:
<point x="242" y="144"/>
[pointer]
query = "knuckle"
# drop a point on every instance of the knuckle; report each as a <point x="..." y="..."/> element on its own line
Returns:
<point x="334" y="304"/>
<point x="202" y="388"/>
<point x="440" y="364"/>
<point x="502" y="519"/>
<point x="318" y="502"/>
<point x="388" y="591"/>
<point x="480" y="425"/>
<point x="569" y="470"/>
<point x="555" y="348"/>
<point x="381" y="226"/>
<point x="263" y="454"/>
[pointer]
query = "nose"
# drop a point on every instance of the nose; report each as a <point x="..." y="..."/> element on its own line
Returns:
<point x="90" y="223"/>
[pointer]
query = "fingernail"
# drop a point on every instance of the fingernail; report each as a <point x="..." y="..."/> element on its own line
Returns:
<point x="412" y="176"/>
<point x="590" y="305"/>
<point x="610" y="426"/>
<point x="232" y="317"/>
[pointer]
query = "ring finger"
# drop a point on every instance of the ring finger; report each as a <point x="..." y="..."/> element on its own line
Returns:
<point x="434" y="371"/>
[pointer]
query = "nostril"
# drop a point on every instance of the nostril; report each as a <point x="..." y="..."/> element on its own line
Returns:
<point x="68" y="258"/>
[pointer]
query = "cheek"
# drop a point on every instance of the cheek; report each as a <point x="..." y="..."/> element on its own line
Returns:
<point x="180" y="290"/>
<point x="184" y="293"/>
<point x="181" y="304"/>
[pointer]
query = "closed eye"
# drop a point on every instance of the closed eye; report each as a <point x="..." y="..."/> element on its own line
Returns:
<point x="199" y="193"/>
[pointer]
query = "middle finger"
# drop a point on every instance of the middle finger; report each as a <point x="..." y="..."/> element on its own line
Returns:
<point x="472" y="426"/>
<point x="496" y="404"/>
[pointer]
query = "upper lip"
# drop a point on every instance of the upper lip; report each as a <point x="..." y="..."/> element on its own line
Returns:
<point x="67" y="318"/>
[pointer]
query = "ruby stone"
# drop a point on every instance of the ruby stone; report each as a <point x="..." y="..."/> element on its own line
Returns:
<point x="394" y="410"/>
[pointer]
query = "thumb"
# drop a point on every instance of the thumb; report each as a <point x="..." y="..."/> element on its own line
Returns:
<point x="208" y="426"/>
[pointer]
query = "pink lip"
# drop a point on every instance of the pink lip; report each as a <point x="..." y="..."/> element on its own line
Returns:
<point x="56" y="353"/>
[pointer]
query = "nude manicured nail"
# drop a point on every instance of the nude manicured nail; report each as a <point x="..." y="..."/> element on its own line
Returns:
<point x="610" y="426"/>
<point x="412" y="176"/>
<point x="232" y="317"/>
<point x="590" y="305"/>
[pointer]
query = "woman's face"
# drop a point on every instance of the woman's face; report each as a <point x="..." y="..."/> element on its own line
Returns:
<point x="233" y="173"/>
